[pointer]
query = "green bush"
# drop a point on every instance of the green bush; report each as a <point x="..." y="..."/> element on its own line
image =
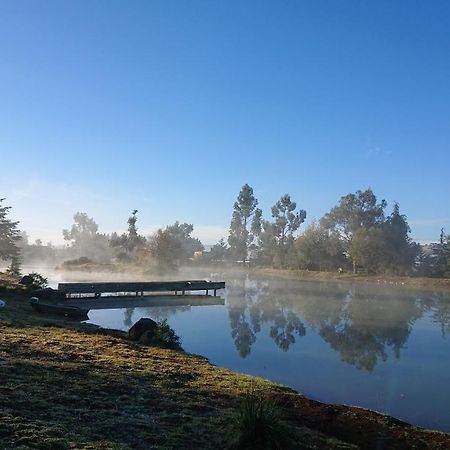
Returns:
<point x="37" y="280"/>
<point x="259" y="424"/>
<point x="163" y="336"/>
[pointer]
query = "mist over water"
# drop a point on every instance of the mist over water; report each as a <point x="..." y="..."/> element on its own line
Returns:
<point x="375" y="346"/>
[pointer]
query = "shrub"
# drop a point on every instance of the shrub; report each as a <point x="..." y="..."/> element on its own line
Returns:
<point x="162" y="336"/>
<point x="36" y="280"/>
<point x="259" y="425"/>
<point x="78" y="262"/>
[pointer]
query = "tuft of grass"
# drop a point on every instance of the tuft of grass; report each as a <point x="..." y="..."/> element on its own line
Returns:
<point x="259" y="424"/>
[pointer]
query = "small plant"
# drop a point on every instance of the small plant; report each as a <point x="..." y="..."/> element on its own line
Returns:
<point x="36" y="280"/>
<point x="163" y="336"/>
<point x="259" y="425"/>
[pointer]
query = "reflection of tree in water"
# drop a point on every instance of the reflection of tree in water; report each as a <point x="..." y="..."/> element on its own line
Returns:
<point x="367" y="325"/>
<point x="438" y="306"/>
<point x="285" y="324"/>
<point x="128" y="316"/>
<point x="241" y="295"/>
<point x="250" y="305"/>
<point x="361" y="324"/>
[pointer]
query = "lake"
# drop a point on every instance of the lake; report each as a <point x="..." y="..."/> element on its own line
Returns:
<point x="374" y="346"/>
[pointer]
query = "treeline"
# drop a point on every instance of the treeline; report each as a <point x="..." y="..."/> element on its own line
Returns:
<point x="356" y="235"/>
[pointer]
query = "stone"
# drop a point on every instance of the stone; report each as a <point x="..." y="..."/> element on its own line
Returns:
<point x="26" y="280"/>
<point x="143" y="325"/>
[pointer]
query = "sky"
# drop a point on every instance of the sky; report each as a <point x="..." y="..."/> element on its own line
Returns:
<point x="169" y="107"/>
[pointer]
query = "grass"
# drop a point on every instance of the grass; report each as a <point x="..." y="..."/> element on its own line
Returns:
<point x="259" y="424"/>
<point x="66" y="385"/>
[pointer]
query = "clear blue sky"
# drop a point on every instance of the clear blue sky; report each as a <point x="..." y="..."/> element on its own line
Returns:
<point x="170" y="107"/>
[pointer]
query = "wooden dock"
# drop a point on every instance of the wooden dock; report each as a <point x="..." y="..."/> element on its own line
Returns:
<point x="137" y="289"/>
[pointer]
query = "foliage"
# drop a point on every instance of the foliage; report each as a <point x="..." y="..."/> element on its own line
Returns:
<point x="36" y="253"/>
<point x="130" y="242"/>
<point x="174" y="245"/>
<point x="14" y="266"/>
<point x="9" y="234"/>
<point x="433" y="260"/>
<point x="85" y="240"/>
<point x="38" y="281"/>
<point x="82" y="260"/>
<point x="163" y="336"/>
<point x="219" y="251"/>
<point x="320" y="249"/>
<point x="277" y="238"/>
<point x="245" y="224"/>
<point x="359" y="211"/>
<point x="401" y="250"/>
<point x="259" y="424"/>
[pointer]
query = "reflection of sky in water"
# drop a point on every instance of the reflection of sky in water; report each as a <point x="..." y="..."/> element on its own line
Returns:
<point x="383" y="348"/>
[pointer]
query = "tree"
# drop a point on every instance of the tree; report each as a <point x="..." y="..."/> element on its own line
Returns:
<point x="219" y="251"/>
<point x="319" y="249"/>
<point x="85" y="240"/>
<point x="401" y="250"/>
<point x="353" y="213"/>
<point x="286" y="223"/>
<point x="128" y="243"/>
<point x="174" y="245"/>
<point x="439" y="256"/>
<point x="9" y="234"/>
<point x="245" y="223"/>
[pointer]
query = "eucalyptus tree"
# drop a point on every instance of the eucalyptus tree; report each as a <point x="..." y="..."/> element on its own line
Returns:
<point x="128" y="243"/>
<point x="319" y="249"/>
<point x="353" y="219"/>
<point x="245" y="224"/>
<point x="174" y="245"/>
<point x="84" y="239"/>
<point x="9" y="234"/>
<point x="276" y="240"/>
<point x="286" y="223"/>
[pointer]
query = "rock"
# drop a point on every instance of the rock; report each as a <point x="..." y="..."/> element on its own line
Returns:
<point x="147" y="326"/>
<point x="147" y="337"/>
<point x="26" y="280"/>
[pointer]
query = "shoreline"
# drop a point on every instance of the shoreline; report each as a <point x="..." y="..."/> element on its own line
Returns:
<point x="40" y="353"/>
<point x="416" y="283"/>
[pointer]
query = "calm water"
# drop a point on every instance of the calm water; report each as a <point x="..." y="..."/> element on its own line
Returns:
<point x="382" y="348"/>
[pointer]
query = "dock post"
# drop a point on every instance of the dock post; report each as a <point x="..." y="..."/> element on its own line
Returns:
<point x="207" y="291"/>
<point x="215" y="292"/>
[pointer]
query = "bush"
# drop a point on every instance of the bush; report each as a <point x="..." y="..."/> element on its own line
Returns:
<point x="259" y="425"/>
<point x="162" y="336"/>
<point x="78" y="262"/>
<point x="34" y="280"/>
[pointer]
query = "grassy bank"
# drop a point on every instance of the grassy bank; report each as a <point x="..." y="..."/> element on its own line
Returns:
<point x="70" y="385"/>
